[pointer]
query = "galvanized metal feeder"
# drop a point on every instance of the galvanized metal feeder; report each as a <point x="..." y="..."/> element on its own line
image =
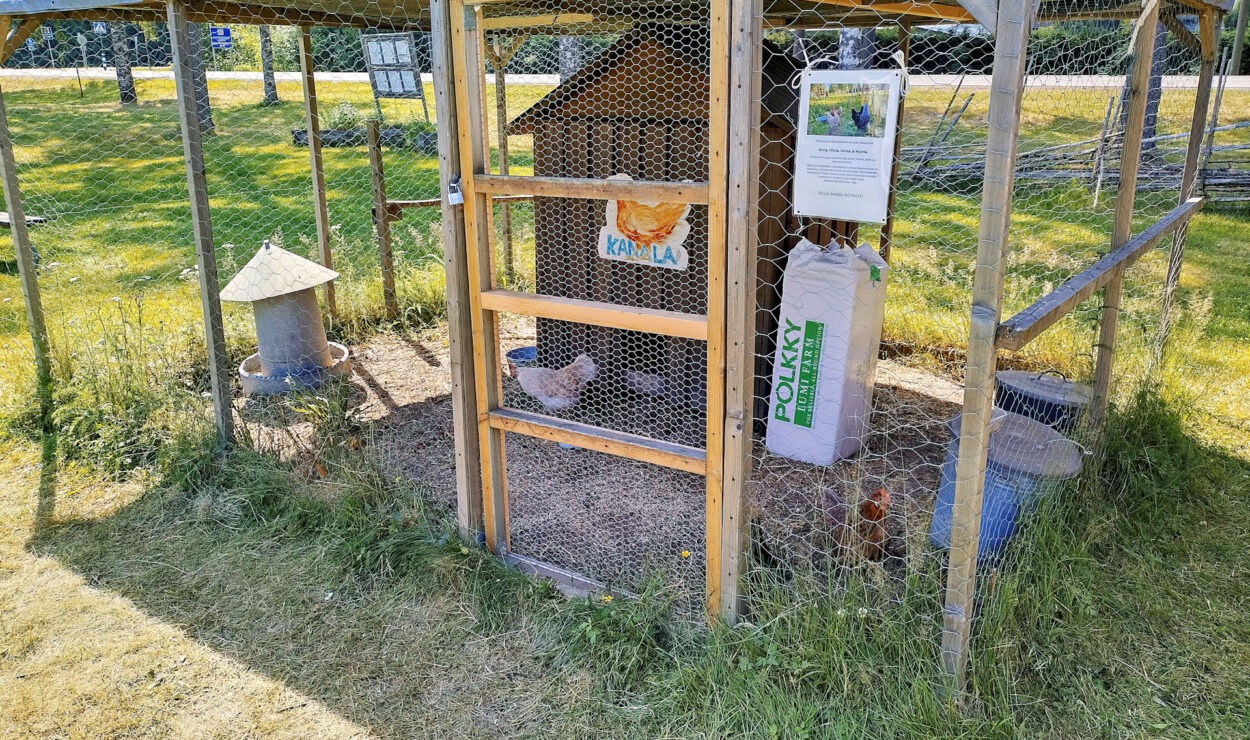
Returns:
<point x="292" y="350"/>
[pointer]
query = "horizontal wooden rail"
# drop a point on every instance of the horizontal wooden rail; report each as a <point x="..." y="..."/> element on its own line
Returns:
<point x="395" y="208"/>
<point x="595" y="189"/>
<point x="599" y="439"/>
<point x="1025" y="326"/>
<point x="654" y="321"/>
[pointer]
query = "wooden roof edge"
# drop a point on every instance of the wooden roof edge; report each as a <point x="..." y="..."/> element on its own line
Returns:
<point x="210" y="11"/>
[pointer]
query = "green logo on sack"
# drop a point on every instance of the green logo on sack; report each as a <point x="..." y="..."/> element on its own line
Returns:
<point x="794" y="397"/>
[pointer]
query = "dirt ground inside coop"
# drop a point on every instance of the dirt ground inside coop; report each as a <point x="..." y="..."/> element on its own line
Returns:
<point x="629" y="524"/>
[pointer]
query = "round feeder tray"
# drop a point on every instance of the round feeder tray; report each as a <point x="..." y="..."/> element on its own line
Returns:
<point x="256" y="384"/>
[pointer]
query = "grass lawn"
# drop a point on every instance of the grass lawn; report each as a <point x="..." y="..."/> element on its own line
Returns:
<point x="149" y="589"/>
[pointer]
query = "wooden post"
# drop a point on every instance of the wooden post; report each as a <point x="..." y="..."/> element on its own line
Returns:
<point x="199" y="79"/>
<point x="1126" y="192"/>
<point x="467" y="59"/>
<point x="1207" y="36"/>
<point x="1007" y="90"/>
<point x="313" y="122"/>
<point x="1239" y="36"/>
<point x="26" y="270"/>
<point x="381" y="218"/>
<point x="498" y="60"/>
<point x="455" y="261"/>
<point x="745" y="62"/>
<point x="887" y="230"/>
<point x="201" y="222"/>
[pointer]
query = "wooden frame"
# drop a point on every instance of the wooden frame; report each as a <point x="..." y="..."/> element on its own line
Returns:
<point x="381" y="219"/>
<point x="312" y="120"/>
<point x="607" y="441"/>
<point x="201" y="222"/>
<point x="582" y="187"/>
<point x="668" y="323"/>
<point x="1014" y="20"/>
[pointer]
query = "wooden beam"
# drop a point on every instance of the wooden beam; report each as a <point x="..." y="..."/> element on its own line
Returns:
<point x="467" y="64"/>
<point x="1007" y="91"/>
<point x="535" y="21"/>
<point x="919" y="10"/>
<point x="464" y="405"/>
<point x="26" y="270"/>
<point x="219" y="368"/>
<point x="1016" y="332"/>
<point x="17" y="36"/>
<point x="599" y="439"/>
<point x="886" y="245"/>
<point x="594" y="189"/>
<point x="629" y="318"/>
<point x="1122" y="222"/>
<point x="741" y="247"/>
<point x="381" y="222"/>
<point x="1182" y="34"/>
<point x="312" y="121"/>
<point x="1208" y="39"/>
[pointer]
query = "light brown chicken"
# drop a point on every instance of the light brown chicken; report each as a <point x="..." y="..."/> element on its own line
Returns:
<point x="557" y="389"/>
<point x="648" y="223"/>
<point x="872" y="534"/>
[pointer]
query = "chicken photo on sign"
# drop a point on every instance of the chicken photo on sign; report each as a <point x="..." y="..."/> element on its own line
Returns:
<point x="645" y="232"/>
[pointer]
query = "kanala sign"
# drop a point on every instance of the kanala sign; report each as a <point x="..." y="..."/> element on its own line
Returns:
<point x="645" y="233"/>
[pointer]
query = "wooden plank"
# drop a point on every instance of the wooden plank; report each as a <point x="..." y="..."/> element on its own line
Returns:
<point x="1126" y="192"/>
<point x="1025" y="326"/>
<point x="312" y="121"/>
<point x="535" y="21"/>
<point x="600" y="439"/>
<point x="1182" y="34"/>
<point x="1208" y="40"/>
<point x="1007" y="85"/>
<point x="219" y="369"/>
<point x="394" y="205"/>
<point x="17" y="36"/>
<point x="455" y="264"/>
<point x="498" y="59"/>
<point x="27" y="273"/>
<point x="595" y="189"/>
<point x="718" y="177"/>
<point x="572" y="585"/>
<point x="918" y="9"/>
<point x="381" y="223"/>
<point x="467" y="61"/>
<point x="595" y="313"/>
<point x="741" y="247"/>
<point x="886" y="244"/>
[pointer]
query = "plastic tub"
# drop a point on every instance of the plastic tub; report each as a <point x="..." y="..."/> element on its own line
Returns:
<point x="520" y="357"/>
<point x="1047" y="397"/>
<point x="1027" y="459"/>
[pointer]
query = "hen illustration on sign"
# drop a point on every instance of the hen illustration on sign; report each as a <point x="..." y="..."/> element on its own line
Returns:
<point x="645" y="233"/>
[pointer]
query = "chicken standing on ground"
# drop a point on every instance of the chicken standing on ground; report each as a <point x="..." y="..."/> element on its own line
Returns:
<point x="559" y="389"/>
<point x="872" y="534"/>
<point x="861" y="118"/>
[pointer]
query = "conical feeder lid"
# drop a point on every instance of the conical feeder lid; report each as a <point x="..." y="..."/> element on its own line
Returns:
<point x="274" y="272"/>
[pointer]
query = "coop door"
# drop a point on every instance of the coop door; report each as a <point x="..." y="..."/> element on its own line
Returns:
<point x="597" y="269"/>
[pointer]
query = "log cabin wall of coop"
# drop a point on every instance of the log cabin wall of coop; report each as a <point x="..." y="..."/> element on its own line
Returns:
<point x="641" y="109"/>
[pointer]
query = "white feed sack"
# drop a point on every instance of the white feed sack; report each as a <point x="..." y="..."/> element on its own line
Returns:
<point x="832" y="306"/>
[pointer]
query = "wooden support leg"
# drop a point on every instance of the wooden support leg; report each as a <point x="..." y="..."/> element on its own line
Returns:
<point x="1206" y="74"/>
<point x="455" y="261"/>
<point x="381" y="219"/>
<point x="201" y="222"/>
<point x="312" y="120"/>
<point x="1007" y="88"/>
<point x="1122" y="226"/>
<point x="26" y="271"/>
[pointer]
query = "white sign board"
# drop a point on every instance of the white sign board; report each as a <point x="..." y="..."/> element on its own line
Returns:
<point x="847" y="123"/>
<point x="100" y="28"/>
<point x="391" y="59"/>
<point x="646" y="233"/>
<point x="219" y="37"/>
<point x="47" y="32"/>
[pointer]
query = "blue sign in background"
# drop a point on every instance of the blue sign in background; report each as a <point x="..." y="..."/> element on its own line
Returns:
<point x="219" y="37"/>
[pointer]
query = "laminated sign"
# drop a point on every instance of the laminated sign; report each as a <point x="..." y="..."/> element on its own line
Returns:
<point x="645" y="233"/>
<point x="846" y="143"/>
<point x="832" y="306"/>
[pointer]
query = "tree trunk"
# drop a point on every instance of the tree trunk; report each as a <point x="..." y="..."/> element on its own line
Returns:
<point x="856" y="47"/>
<point x="570" y="53"/>
<point x="266" y="66"/>
<point x="121" y="63"/>
<point x="199" y="77"/>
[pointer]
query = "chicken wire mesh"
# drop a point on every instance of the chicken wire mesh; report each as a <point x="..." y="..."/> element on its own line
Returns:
<point x="589" y="92"/>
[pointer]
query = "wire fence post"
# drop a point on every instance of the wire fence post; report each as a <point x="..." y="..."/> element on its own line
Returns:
<point x="1007" y="91"/>
<point x="381" y="217"/>
<point x="25" y="262"/>
<point x="201" y="221"/>
<point x="312" y="120"/>
<point x="1122" y="226"/>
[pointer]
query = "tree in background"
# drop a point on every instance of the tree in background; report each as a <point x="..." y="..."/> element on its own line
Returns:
<point x="121" y="63"/>
<point x="266" y="66"/>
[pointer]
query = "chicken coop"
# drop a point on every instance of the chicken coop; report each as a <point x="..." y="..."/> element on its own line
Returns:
<point x="639" y="204"/>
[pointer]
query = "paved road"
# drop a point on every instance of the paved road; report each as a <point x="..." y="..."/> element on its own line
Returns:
<point x="1069" y="81"/>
